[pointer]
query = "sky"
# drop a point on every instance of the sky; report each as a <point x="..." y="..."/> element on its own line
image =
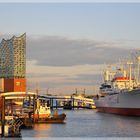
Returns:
<point x="69" y="43"/>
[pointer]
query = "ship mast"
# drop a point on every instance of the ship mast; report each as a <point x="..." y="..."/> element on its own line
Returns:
<point x="138" y="70"/>
<point x="106" y="76"/>
<point x="130" y="74"/>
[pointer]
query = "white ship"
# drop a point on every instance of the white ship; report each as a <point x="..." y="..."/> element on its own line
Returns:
<point x="122" y="96"/>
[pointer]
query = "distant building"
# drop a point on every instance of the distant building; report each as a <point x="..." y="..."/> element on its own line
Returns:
<point x="13" y="64"/>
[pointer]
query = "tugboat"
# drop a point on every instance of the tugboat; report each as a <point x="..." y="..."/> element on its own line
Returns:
<point x="54" y="118"/>
<point x="43" y="115"/>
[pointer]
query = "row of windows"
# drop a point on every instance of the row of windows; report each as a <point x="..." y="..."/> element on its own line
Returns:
<point x="12" y="53"/>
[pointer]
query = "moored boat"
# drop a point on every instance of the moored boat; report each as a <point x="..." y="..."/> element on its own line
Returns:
<point x="43" y="114"/>
<point x="59" y="118"/>
<point x="124" y="102"/>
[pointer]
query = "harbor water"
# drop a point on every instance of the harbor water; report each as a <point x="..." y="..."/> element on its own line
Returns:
<point x="87" y="124"/>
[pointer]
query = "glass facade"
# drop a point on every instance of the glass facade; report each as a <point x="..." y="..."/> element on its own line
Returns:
<point x="12" y="57"/>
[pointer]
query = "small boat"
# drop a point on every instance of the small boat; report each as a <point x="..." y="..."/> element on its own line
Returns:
<point x="55" y="118"/>
<point x="67" y="105"/>
<point x="43" y="115"/>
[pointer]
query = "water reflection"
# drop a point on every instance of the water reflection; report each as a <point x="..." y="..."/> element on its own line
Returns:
<point x="42" y="130"/>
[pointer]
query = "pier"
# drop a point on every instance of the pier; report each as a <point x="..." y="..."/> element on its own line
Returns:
<point x="15" y="114"/>
<point x="68" y="102"/>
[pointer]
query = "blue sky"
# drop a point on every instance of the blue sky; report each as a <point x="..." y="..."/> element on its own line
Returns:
<point x="91" y="20"/>
<point x="68" y="43"/>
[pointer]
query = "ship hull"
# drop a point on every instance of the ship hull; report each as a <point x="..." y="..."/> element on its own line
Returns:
<point x="53" y="119"/>
<point x="120" y="111"/>
<point x="124" y="103"/>
<point x="41" y="116"/>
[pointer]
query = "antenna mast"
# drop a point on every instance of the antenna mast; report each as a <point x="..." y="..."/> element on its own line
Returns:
<point x="130" y="74"/>
<point x="138" y="69"/>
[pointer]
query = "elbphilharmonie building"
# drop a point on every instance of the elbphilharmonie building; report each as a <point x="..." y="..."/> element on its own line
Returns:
<point x="13" y="64"/>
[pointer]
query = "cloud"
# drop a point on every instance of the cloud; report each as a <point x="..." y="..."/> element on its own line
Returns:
<point x="58" y="51"/>
<point x="58" y="62"/>
<point x="60" y="74"/>
<point x="64" y="78"/>
<point x="34" y="68"/>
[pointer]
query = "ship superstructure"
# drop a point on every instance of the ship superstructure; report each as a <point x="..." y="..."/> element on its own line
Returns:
<point x="126" y="101"/>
